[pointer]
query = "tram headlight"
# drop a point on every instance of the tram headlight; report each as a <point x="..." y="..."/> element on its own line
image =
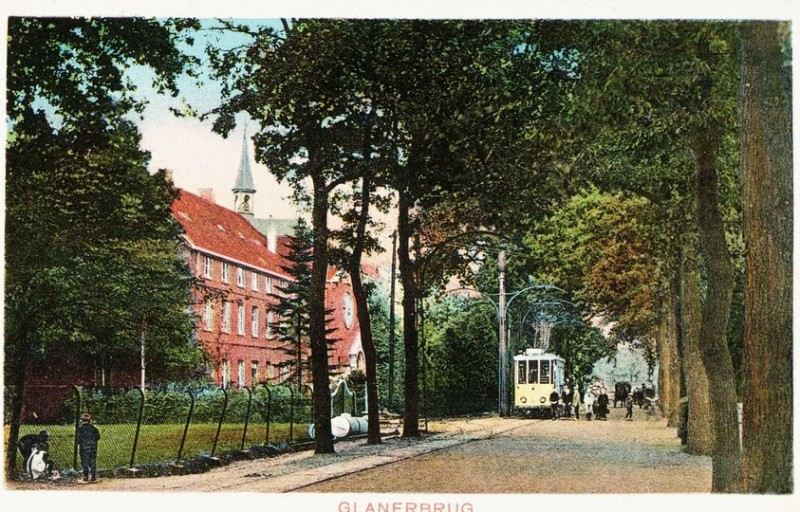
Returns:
<point x="542" y="400"/>
<point x="523" y="399"/>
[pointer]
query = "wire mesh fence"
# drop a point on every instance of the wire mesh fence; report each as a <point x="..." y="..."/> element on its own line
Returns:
<point x="162" y="425"/>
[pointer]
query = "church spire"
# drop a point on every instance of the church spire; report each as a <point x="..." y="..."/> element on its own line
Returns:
<point x="243" y="189"/>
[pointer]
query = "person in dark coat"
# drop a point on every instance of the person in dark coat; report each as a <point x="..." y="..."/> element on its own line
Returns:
<point x="629" y="408"/>
<point x="29" y="443"/>
<point x="602" y="404"/>
<point x="566" y="397"/>
<point x="554" y="404"/>
<point x="88" y="437"/>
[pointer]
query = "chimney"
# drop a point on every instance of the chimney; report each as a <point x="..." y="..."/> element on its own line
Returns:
<point x="272" y="239"/>
<point x="207" y="194"/>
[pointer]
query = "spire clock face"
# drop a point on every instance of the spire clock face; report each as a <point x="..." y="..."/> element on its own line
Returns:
<point x="348" y="310"/>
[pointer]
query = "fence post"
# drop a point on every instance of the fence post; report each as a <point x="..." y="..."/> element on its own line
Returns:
<point x="269" y="413"/>
<point x="221" y="417"/>
<point x="138" y="425"/>
<point x="291" y="414"/>
<point x="246" y="416"/>
<point x="77" y="424"/>
<point x="186" y="427"/>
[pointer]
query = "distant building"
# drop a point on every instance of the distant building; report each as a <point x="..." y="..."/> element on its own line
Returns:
<point x="239" y="260"/>
<point x="240" y="270"/>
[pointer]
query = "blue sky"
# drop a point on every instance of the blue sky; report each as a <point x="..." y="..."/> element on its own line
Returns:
<point x="197" y="157"/>
<point x="202" y="159"/>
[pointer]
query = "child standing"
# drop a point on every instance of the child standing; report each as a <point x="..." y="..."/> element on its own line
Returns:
<point x="87" y="437"/>
<point x="629" y="408"/>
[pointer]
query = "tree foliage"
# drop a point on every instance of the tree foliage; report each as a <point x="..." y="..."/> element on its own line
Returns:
<point x="91" y="247"/>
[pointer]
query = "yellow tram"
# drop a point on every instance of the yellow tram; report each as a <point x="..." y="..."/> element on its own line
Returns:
<point x="536" y="375"/>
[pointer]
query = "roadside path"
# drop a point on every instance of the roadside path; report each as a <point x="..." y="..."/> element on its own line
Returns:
<point x="478" y="455"/>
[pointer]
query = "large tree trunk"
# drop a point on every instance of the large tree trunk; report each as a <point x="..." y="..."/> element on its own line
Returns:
<point x="16" y="379"/>
<point x="715" y="314"/>
<point x="367" y="342"/>
<point x="319" y="344"/>
<point x="669" y="363"/>
<point x="410" y="341"/>
<point x="371" y="359"/>
<point x="15" y="363"/>
<point x="701" y="428"/>
<point x="767" y="207"/>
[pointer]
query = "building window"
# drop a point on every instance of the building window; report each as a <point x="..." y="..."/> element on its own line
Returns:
<point x="241" y="373"/>
<point x="240" y="277"/>
<point x="254" y="322"/>
<point x="270" y="321"/>
<point x="268" y="284"/>
<point x="347" y="305"/>
<point x="255" y="281"/>
<point x="226" y="373"/>
<point x="208" y="269"/>
<point x="224" y="277"/>
<point x="270" y="372"/>
<point x="226" y="316"/>
<point x="240" y="327"/>
<point x="253" y="372"/>
<point x="208" y="314"/>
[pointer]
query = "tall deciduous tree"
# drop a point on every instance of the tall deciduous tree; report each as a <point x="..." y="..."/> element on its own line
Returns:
<point x="79" y="198"/>
<point x="767" y="202"/>
<point x="300" y="85"/>
<point x="469" y="103"/>
<point x="664" y="91"/>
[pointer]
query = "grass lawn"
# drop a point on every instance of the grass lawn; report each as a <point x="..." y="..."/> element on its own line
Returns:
<point x="157" y="443"/>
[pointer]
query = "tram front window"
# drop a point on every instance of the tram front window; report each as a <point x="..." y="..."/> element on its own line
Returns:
<point x="545" y="372"/>
<point x="521" y="372"/>
<point x="533" y="372"/>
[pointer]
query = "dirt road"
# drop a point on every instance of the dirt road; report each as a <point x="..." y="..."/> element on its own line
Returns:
<point x="545" y="456"/>
<point x="485" y="455"/>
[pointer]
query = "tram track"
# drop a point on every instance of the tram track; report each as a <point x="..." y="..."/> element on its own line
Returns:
<point x="460" y="438"/>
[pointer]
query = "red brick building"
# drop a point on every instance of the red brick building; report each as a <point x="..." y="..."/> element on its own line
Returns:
<point x="241" y="274"/>
<point x="239" y="260"/>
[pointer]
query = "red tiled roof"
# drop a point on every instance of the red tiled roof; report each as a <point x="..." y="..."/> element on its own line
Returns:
<point x="371" y="271"/>
<point x="213" y="228"/>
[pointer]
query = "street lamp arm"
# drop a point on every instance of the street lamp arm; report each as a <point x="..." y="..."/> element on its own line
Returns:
<point x="529" y="288"/>
<point x="482" y="297"/>
<point x="536" y="305"/>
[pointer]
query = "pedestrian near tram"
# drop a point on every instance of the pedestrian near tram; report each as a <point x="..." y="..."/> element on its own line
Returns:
<point x="629" y="408"/>
<point x="588" y="402"/>
<point x="566" y="397"/>
<point x="554" y="404"/>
